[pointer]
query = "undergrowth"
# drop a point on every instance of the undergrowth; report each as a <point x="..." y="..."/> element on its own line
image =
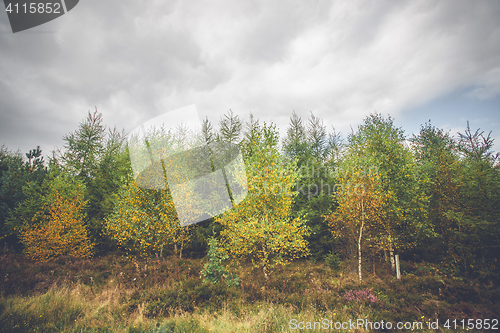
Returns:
<point x="116" y="294"/>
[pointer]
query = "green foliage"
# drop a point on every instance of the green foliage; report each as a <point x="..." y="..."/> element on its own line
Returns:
<point x="312" y="209"/>
<point x="260" y="228"/>
<point x="401" y="182"/>
<point x="333" y="260"/>
<point x="359" y="216"/>
<point x="441" y="194"/>
<point x="464" y="199"/>
<point x="295" y="144"/>
<point x="39" y="197"/>
<point x="436" y="156"/>
<point x="49" y="222"/>
<point x="250" y="137"/>
<point x="14" y="175"/>
<point x="315" y="155"/>
<point x="317" y="138"/>
<point x="230" y="128"/>
<point x="145" y="221"/>
<point x="474" y="226"/>
<point x="214" y="271"/>
<point x="97" y="157"/>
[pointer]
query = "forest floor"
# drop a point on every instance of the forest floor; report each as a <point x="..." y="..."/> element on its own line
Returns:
<point x="117" y="294"/>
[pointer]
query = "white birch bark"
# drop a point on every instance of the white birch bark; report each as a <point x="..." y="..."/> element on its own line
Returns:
<point x="359" y="240"/>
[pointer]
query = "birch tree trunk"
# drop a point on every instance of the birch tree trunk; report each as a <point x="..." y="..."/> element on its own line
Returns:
<point x="359" y="239"/>
<point x="393" y="261"/>
<point x="264" y="266"/>
<point x="391" y="253"/>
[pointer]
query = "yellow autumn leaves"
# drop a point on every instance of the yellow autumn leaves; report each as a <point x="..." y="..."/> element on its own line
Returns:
<point x="260" y="228"/>
<point x="61" y="231"/>
<point x="145" y="221"/>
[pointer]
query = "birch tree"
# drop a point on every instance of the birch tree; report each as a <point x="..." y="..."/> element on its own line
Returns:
<point x="402" y="183"/>
<point x="145" y="221"/>
<point x="260" y="228"/>
<point x="360" y="204"/>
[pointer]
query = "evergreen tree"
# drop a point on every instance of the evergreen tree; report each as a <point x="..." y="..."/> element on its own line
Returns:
<point x="15" y="175"/>
<point x="475" y="223"/>
<point x="97" y="157"/>
<point x="437" y="156"/>
<point x="230" y="128"/>
<point x="317" y="138"/>
<point x="214" y="271"/>
<point x="295" y="144"/>
<point x="250" y="136"/>
<point x="315" y="184"/>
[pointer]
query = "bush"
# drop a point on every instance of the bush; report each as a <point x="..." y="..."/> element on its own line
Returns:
<point x="213" y="271"/>
<point x="333" y="260"/>
<point x="62" y="232"/>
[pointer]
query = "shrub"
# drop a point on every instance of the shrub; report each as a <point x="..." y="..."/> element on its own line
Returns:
<point x="360" y="296"/>
<point x="213" y="271"/>
<point x="333" y="260"/>
<point x="61" y="231"/>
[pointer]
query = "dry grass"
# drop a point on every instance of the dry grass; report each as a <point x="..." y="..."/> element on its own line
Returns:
<point x="115" y="294"/>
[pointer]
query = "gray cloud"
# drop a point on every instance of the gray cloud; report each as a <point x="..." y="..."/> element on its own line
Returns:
<point x="342" y="60"/>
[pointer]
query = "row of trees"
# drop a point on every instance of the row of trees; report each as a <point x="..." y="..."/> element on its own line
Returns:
<point x="430" y="197"/>
<point x="76" y="190"/>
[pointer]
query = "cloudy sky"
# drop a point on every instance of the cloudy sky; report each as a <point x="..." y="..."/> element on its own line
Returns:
<point x="134" y="60"/>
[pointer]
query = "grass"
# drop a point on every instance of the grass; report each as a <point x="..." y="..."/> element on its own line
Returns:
<point x="116" y="294"/>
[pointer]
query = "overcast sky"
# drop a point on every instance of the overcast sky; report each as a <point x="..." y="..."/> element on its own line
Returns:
<point x="134" y="60"/>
